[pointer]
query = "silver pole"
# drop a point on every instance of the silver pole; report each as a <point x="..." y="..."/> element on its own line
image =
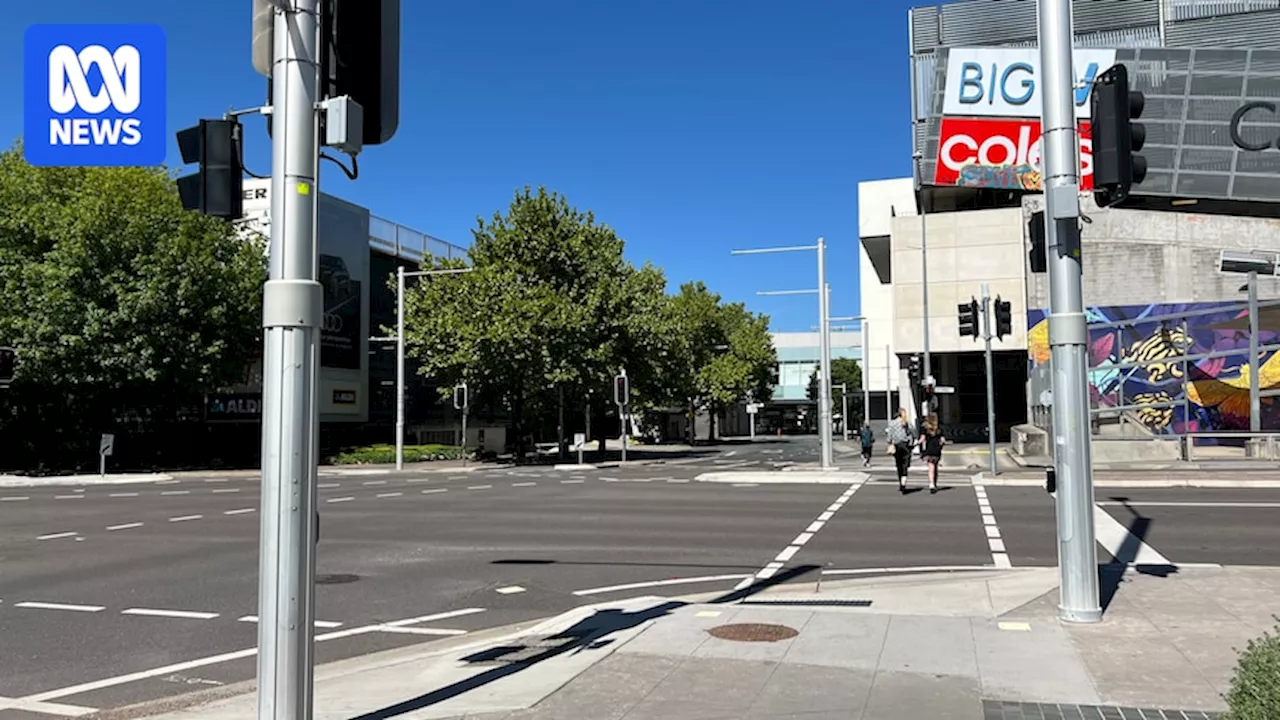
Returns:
<point x="991" y="378"/>
<point x="751" y="418"/>
<point x="824" y="340"/>
<point x="400" y="393"/>
<point x="866" y="375"/>
<point x="888" y="383"/>
<point x="466" y="405"/>
<point x="1255" y="398"/>
<point x="844" y="410"/>
<point x="292" y="308"/>
<point x="924" y="281"/>
<point x="1068" y="335"/>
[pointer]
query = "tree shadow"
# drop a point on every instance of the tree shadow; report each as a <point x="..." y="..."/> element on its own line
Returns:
<point x="590" y="633"/>
<point x="1112" y="574"/>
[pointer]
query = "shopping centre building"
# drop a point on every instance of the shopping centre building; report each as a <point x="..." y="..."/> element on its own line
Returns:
<point x="972" y="210"/>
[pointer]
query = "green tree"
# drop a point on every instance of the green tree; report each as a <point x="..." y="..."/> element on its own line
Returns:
<point x="116" y="298"/>
<point x="549" y="314"/>
<point x="744" y="365"/>
<point x="843" y="370"/>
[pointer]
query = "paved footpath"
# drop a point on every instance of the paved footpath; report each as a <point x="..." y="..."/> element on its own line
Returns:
<point x="968" y="646"/>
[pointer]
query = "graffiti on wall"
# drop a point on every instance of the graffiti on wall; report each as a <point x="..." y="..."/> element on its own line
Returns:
<point x="1172" y="396"/>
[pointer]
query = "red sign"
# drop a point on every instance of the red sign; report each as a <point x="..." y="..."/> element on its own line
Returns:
<point x="999" y="153"/>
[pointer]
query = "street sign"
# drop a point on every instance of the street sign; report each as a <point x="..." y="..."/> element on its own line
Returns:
<point x="107" y="445"/>
<point x="579" y="440"/>
<point x="752" y="408"/>
<point x="944" y="389"/>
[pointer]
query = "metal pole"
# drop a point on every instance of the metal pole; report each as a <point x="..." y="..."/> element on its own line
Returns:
<point x="844" y="410"/>
<point x="466" y="405"/>
<point x="622" y="413"/>
<point x="751" y="417"/>
<point x="1255" y="399"/>
<point x="924" y="281"/>
<point x="824" y="340"/>
<point x="292" y="309"/>
<point x="1068" y="335"/>
<point x="866" y="375"/>
<point x="400" y="367"/>
<point x="991" y="378"/>
<point x="888" y="383"/>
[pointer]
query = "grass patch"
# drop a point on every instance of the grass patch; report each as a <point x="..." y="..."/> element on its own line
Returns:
<point x="386" y="454"/>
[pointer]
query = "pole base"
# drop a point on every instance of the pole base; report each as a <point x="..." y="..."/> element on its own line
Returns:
<point x="1073" y="615"/>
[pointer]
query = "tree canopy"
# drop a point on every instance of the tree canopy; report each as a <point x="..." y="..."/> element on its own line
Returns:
<point x="843" y="370"/>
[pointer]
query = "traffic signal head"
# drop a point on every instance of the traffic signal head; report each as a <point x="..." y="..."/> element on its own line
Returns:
<point x="968" y="316"/>
<point x="1004" y="317"/>
<point x="1116" y="138"/>
<point x="913" y="367"/>
<point x="363" y="56"/>
<point x="622" y="390"/>
<point x="217" y="188"/>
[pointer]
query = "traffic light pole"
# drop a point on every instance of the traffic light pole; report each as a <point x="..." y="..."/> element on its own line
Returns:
<point x="291" y="315"/>
<point x="991" y="378"/>
<point x="924" y="285"/>
<point x="1068" y="334"/>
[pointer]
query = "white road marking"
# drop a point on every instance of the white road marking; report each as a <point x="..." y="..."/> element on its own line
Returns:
<point x="329" y="485"/>
<point x="341" y="499"/>
<point x="181" y="614"/>
<point x="432" y="618"/>
<point x="374" y="482"/>
<point x="746" y="485"/>
<point x="435" y="490"/>
<point x="609" y="479"/>
<point x="14" y="499"/>
<point x="68" y="497"/>
<point x="176" y="492"/>
<point x="510" y="590"/>
<point x="572" y="482"/>
<point x="123" y="495"/>
<point x="897" y="570"/>
<point x="659" y="583"/>
<point x="45" y="708"/>
<point x="677" y="480"/>
<point x="1113" y="536"/>
<point x="216" y="480"/>
<point x="55" y="536"/>
<point x="185" y="518"/>
<point x="815" y="526"/>
<point x="794" y="546"/>
<point x="390" y="494"/>
<point x="226" y="490"/>
<point x="327" y="624"/>
<point x="419" y="631"/>
<point x="999" y="555"/>
<point x="479" y="487"/>
<point x="125" y="526"/>
<point x="241" y="511"/>
<point x="60" y="606"/>
<point x="523" y="484"/>
<point x="1259" y="505"/>
<point x="578" y="477"/>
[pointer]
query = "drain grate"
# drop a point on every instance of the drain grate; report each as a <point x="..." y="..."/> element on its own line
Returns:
<point x="753" y="632"/>
<point x="336" y="579"/>
<point x="510" y="654"/>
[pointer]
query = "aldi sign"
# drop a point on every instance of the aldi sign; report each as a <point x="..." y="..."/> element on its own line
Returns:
<point x="1005" y="82"/>
<point x="999" y="153"/>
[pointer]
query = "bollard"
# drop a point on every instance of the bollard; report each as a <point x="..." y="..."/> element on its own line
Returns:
<point x="1050" y="480"/>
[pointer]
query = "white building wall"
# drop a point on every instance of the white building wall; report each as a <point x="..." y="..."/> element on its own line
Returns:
<point x="879" y="201"/>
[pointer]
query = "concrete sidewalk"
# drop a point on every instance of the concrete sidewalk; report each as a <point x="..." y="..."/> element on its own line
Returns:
<point x="966" y="645"/>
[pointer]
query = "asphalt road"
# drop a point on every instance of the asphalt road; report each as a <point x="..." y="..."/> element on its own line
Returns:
<point x="112" y="595"/>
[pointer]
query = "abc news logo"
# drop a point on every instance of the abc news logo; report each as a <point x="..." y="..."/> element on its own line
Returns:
<point x="69" y="90"/>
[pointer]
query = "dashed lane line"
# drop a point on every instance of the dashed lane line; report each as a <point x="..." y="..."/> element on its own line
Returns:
<point x="340" y="499"/>
<point x="390" y="494"/>
<point x="799" y="542"/>
<point x="572" y="482"/>
<point x="176" y="492"/>
<point x="999" y="554"/>
<point x="123" y="495"/>
<point x="479" y="487"/>
<point x="659" y="583"/>
<point x="179" y="614"/>
<point x="57" y="535"/>
<point x="324" y="624"/>
<point x="68" y="497"/>
<point x="523" y="484"/>
<point x="240" y="511"/>
<point x="124" y="526"/>
<point x="185" y="518"/>
<point x="433" y="491"/>
<point x="226" y="490"/>
<point x="14" y="499"/>
<point x="60" y="606"/>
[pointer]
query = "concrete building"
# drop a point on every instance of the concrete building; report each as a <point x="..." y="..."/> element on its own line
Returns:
<point x="973" y="208"/>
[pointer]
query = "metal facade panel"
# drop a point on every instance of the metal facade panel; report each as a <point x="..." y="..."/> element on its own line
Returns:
<point x="1252" y="30"/>
<point x="924" y="28"/>
<point x="1093" y="15"/>
<point x="1177" y="10"/>
<point x="987" y="22"/>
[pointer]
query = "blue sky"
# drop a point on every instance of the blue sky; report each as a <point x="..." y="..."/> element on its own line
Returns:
<point x="692" y="128"/>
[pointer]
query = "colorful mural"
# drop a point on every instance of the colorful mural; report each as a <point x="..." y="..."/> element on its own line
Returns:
<point x="1211" y="394"/>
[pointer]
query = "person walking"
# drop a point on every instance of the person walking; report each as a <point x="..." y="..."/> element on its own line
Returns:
<point x="900" y="446"/>
<point x="931" y="442"/>
<point x="868" y="442"/>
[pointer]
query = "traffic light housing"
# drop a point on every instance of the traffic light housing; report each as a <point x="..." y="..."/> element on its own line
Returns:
<point x="8" y="364"/>
<point x="622" y="390"/>
<point x="217" y="188"/>
<point x="1116" y="137"/>
<point x="968" y="315"/>
<point x="913" y="369"/>
<point x="1004" y="317"/>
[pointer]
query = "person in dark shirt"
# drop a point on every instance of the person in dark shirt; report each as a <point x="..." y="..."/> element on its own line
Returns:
<point x="868" y="442"/>
<point x="931" y="442"/>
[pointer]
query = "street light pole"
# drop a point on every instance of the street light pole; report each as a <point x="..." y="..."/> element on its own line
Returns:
<point x="924" y="277"/>
<point x="400" y="349"/>
<point x="866" y="375"/>
<point x="1255" y="395"/>
<point x="991" y="381"/>
<point x="1068" y="333"/>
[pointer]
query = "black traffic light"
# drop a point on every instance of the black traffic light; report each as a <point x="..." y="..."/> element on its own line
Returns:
<point x="1037" y="256"/>
<point x="363" y="57"/>
<point x="968" y="313"/>
<point x="1116" y="138"/>
<point x="913" y="369"/>
<point x="1004" y="318"/>
<point x="622" y="390"/>
<point x="217" y="188"/>
<point x="8" y="364"/>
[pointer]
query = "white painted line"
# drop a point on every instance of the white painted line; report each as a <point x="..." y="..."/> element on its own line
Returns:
<point x="241" y="511"/>
<point x="766" y="573"/>
<point x="184" y="518"/>
<point x="329" y="485"/>
<point x="802" y="538"/>
<point x="341" y="499"/>
<point x="510" y="590"/>
<point x="523" y="484"/>
<point x="993" y="531"/>
<point x="826" y="516"/>
<point x="479" y="487"/>
<point x="217" y="480"/>
<point x="646" y="479"/>
<point x="659" y="583"/>
<point x="390" y="494"/>
<point x="123" y="495"/>
<point x="226" y="490"/>
<point x="746" y="485"/>
<point x="815" y="526"/>
<point x="432" y="618"/>
<point x="326" y="624"/>
<point x="68" y="497"/>
<point x="374" y="482"/>
<point x="999" y="556"/>
<point x="787" y="553"/>
<point x="609" y="479"/>
<point x="572" y="482"/>
<point x="988" y="519"/>
<point x="902" y="570"/>
<point x="14" y="499"/>
<point x="182" y="614"/>
<point x="419" y="631"/>
<point x="996" y="545"/>
<point x="1113" y="536"/>
<point x="55" y="536"/>
<point x="176" y="492"/>
<point x="435" y="490"/>
<point x="1259" y="505"/>
<point x="1001" y="560"/>
<point x="578" y="477"/>
<point x="125" y="526"/>
<point x="678" y="480"/>
<point x="59" y="709"/>
<point x="60" y="606"/>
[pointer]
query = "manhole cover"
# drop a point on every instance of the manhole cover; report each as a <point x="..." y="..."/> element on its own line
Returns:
<point x="336" y="579"/>
<point x="753" y="632"/>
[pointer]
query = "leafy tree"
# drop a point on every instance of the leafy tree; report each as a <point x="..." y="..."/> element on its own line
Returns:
<point x="744" y="365"/>
<point x="843" y="370"/>
<point x="550" y="312"/>
<point x="116" y="298"/>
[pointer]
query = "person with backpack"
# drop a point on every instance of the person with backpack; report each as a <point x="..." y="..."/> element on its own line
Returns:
<point x="931" y="442"/>
<point x="900" y="446"/>
<point x="868" y="442"/>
